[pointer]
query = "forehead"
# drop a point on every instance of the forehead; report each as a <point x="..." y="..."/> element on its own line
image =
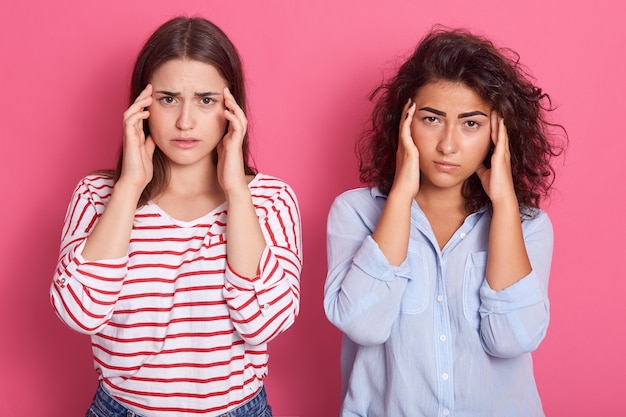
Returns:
<point x="450" y="96"/>
<point x="187" y="72"/>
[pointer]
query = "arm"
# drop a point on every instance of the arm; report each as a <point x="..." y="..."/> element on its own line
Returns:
<point x="266" y="304"/>
<point x="515" y="320"/>
<point x="363" y="291"/>
<point x="393" y="228"/>
<point x="263" y="251"/>
<point x="367" y="270"/>
<point x="510" y="274"/>
<point x="83" y="292"/>
<point x="508" y="260"/>
<point x="92" y="264"/>
<point x="245" y="242"/>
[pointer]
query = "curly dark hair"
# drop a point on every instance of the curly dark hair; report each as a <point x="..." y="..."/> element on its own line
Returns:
<point x="497" y="76"/>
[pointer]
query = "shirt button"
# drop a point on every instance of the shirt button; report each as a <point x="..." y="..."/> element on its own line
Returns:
<point x="444" y="377"/>
<point x="440" y="298"/>
<point x="463" y="235"/>
<point x="446" y="412"/>
<point x="266" y="306"/>
<point x="442" y="337"/>
<point x="62" y="281"/>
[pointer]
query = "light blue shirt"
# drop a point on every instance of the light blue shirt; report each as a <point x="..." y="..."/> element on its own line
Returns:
<point x="430" y="337"/>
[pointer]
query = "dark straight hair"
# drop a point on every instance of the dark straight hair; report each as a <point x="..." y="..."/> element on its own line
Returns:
<point x="193" y="38"/>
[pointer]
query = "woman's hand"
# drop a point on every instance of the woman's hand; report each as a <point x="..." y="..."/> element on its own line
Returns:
<point x="230" y="167"/>
<point x="407" y="177"/>
<point x="137" y="165"/>
<point x="498" y="180"/>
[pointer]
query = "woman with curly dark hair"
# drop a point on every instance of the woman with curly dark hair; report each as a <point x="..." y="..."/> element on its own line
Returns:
<point x="438" y="272"/>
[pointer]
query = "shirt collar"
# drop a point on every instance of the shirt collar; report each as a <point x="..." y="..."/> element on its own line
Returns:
<point x="376" y="193"/>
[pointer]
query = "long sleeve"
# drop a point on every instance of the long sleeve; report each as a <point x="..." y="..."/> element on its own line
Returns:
<point x="363" y="292"/>
<point x="263" y="307"/>
<point x="514" y="321"/>
<point x="84" y="293"/>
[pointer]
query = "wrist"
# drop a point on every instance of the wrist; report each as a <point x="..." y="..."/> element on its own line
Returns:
<point x="398" y="195"/>
<point x="128" y="190"/>
<point x="241" y="192"/>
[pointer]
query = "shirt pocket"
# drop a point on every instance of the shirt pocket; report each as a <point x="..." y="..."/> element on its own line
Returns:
<point x="415" y="298"/>
<point x="473" y="278"/>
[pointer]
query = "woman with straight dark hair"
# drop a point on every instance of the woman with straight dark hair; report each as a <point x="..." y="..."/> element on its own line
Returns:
<point x="184" y="262"/>
<point x="438" y="272"/>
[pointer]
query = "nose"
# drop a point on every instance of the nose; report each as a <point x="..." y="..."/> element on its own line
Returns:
<point x="448" y="141"/>
<point x="185" y="120"/>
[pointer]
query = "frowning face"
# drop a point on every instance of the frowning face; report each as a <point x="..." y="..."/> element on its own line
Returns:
<point x="451" y="129"/>
<point x="187" y="113"/>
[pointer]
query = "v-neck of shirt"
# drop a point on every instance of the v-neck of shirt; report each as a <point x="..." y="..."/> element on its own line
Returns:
<point x="206" y="218"/>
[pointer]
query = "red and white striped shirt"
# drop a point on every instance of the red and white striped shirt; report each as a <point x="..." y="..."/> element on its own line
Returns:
<point x="174" y="331"/>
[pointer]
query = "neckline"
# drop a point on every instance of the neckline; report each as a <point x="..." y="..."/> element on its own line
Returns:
<point x="190" y="223"/>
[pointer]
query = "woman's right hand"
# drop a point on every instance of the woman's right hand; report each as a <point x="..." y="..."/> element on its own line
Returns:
<point x="137" y="165"/>
<point x="407" y="177"/>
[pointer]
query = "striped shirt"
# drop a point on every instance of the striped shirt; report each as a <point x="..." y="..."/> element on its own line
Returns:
<point x="174" y="330"/>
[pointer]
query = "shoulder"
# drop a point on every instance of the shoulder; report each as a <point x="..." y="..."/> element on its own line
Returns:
<point x="536" y="219"/>
<point x="266" y="188"/>
<point x="97" y="186"/>
<point x="362" y="197"/>
<point x="356" y="211"/>
<point x="359" y="205"/>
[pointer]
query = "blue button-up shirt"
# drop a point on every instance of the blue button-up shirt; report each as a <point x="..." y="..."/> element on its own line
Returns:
<point x="430" y="337"/>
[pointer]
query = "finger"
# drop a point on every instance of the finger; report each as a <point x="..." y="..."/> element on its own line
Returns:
<point x="140" y="102"/>
<point x="481" y="169"/>
<point x="493" y="120"/>
<point x="150" y="146"/>
<point x="233" y="107"/>
<point x="135" y="119"/>
<point x="138" y="108"/>
<point x="145" y="92"/>
<point x="405" y="125"/>
<point x="503" y="135"/>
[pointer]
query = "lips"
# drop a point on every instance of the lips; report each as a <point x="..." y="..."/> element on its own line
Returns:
<point x="445" y="166"/>
<point x="185" y="143"/>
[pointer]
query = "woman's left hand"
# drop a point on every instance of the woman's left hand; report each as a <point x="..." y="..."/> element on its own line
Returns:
<point x="498" y="180"/>
<point x="230" y="167"/>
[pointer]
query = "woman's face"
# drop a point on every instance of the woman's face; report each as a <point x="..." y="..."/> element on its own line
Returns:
<point x="187" y="113"/>
<point x="452" y="132"/>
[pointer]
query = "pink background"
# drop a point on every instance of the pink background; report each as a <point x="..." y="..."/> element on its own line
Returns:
<point x="310" y="65"/>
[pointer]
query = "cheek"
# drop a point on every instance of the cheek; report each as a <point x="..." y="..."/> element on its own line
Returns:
<point x="482" y="149"/>
<point x="216" y="121"/>
<point x="156" y="116"/>
<point x="155" y="126"/>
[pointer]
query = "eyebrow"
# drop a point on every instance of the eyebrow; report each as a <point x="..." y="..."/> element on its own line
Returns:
<point x="471" y="114"/>
<point x="177" y="94"/>
<point x="461" y="116"/>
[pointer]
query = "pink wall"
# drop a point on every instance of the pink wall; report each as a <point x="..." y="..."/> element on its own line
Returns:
<point x="64" y="68"/>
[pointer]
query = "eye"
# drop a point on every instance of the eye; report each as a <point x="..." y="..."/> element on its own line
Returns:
<point x="167" y="100"/>
<point x="472" y="124"/>
<point x="430" y="119"/>
<point x="207" y="100"/>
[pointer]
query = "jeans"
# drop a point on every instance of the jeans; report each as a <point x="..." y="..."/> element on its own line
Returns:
<point x="104" y="405"/>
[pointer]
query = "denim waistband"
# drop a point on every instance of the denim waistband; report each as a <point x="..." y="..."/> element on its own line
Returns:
<point x="103" y="401"/>
<point x="109" y="405"/>
<point x="253" y="407"/>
